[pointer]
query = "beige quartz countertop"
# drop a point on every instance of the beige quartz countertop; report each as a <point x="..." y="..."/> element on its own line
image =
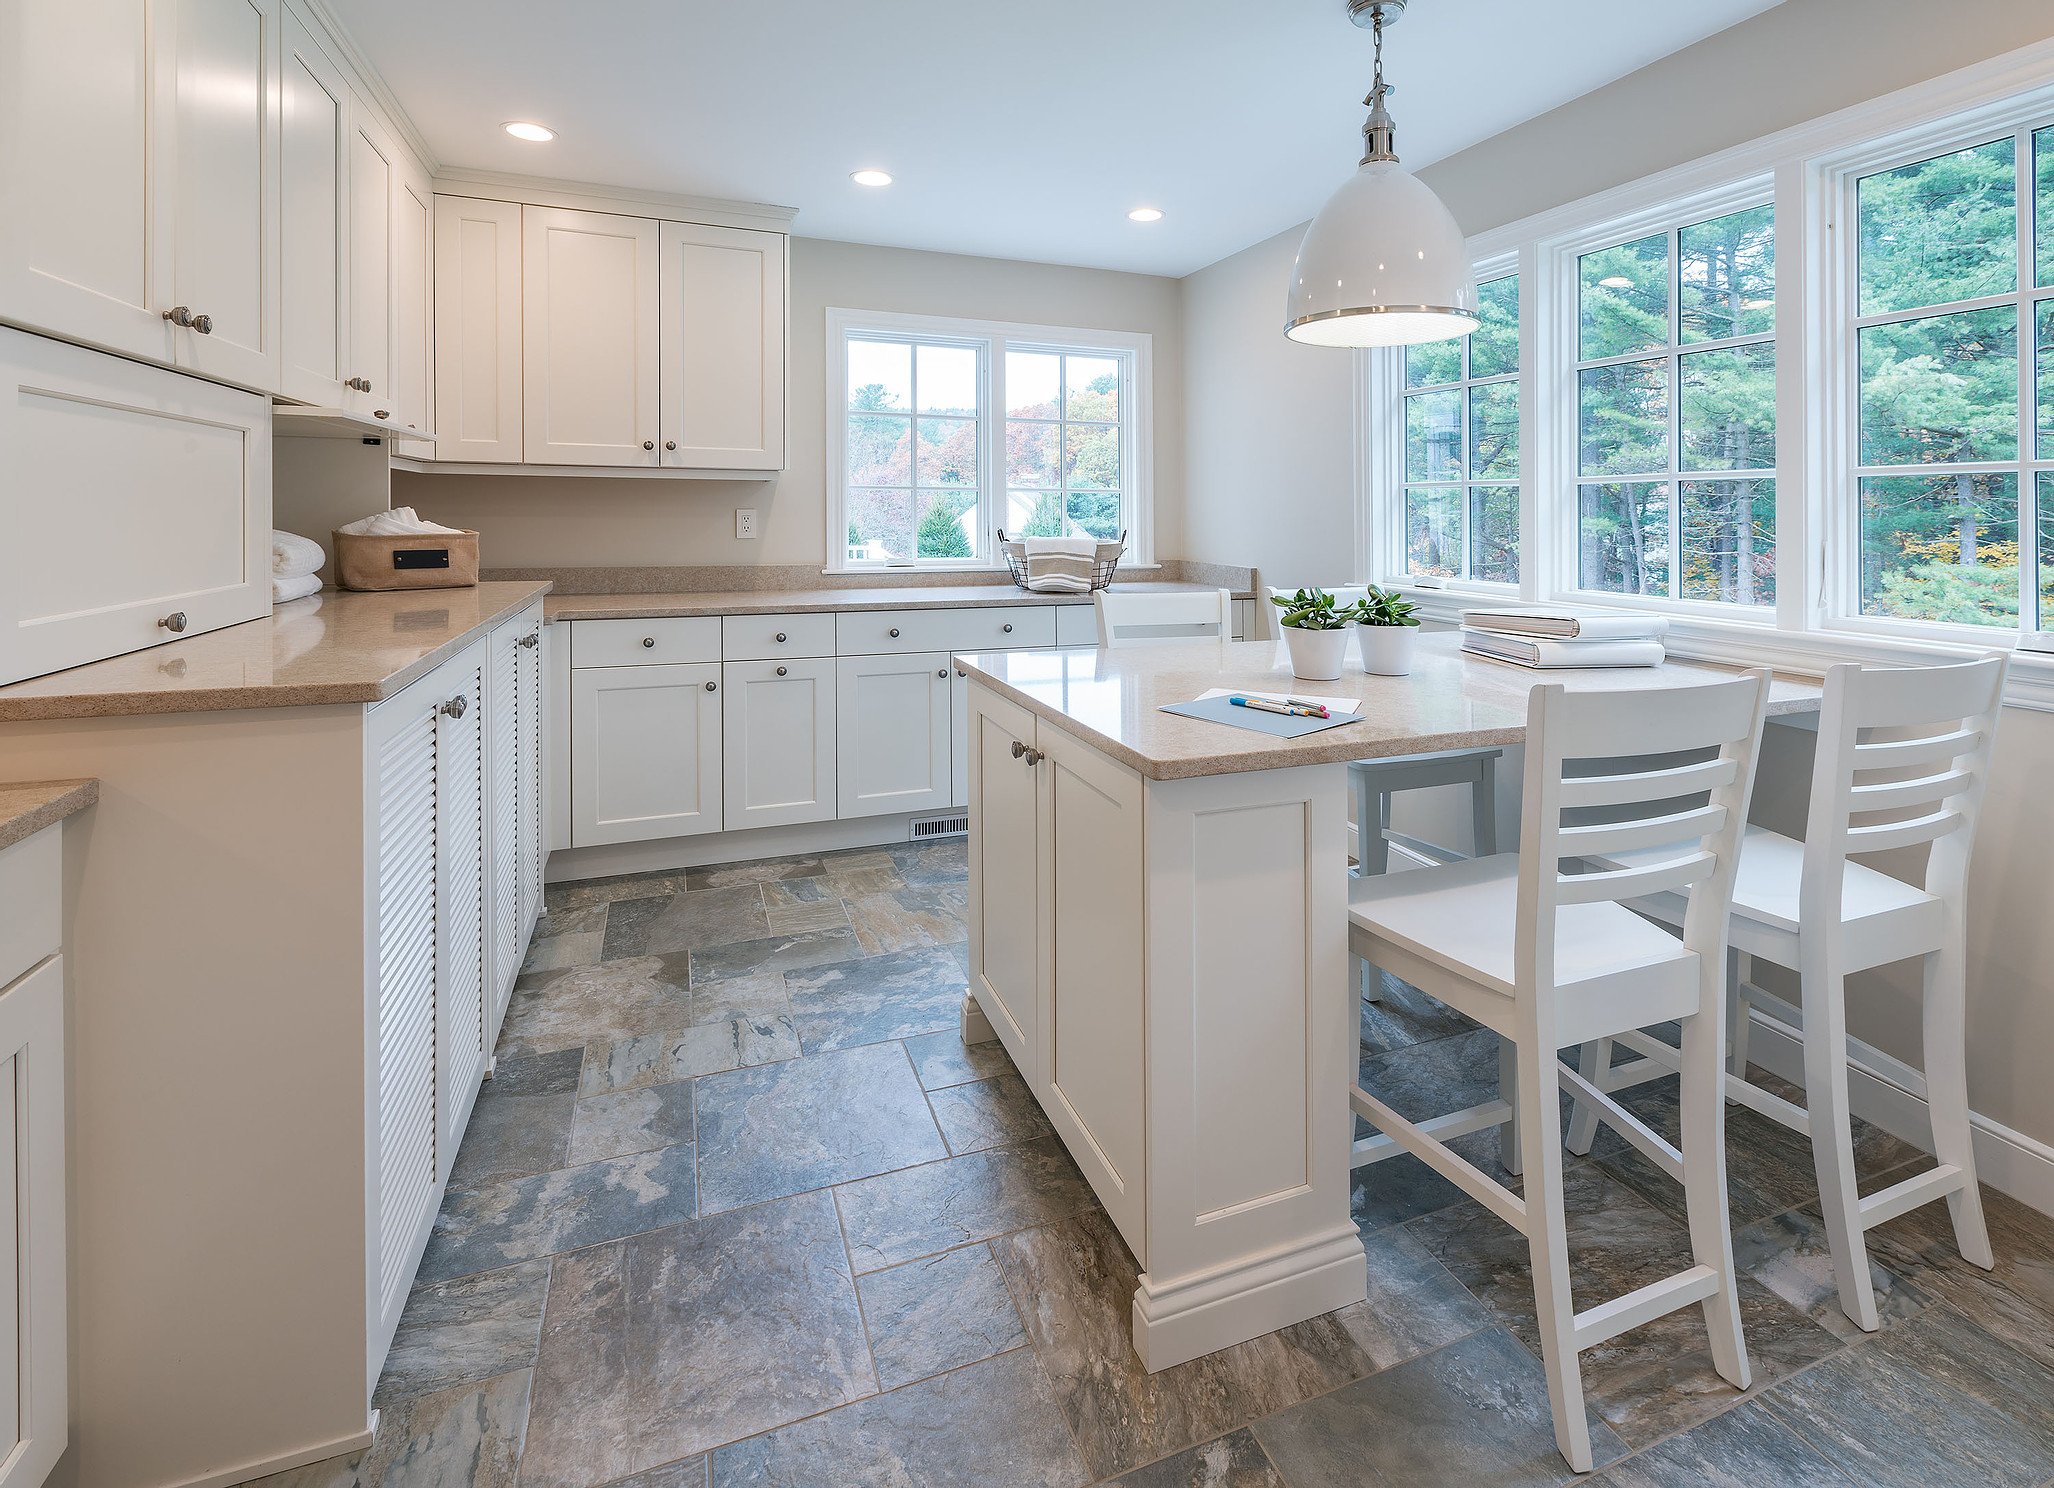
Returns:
<point x="1112" y="699"/>
<point x="28" y="808"/>
<point x="332" y="647"/>
<point x="806" y="601"/>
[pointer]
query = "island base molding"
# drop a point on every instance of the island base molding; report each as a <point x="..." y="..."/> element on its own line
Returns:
<point x="1186" y="1318"/>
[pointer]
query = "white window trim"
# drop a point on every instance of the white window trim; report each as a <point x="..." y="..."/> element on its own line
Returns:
<point x="1811" y="168"/>
<point x="992" y="337"/>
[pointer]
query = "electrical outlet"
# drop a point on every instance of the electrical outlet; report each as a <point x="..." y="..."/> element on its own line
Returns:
<point x="745" y="522"/>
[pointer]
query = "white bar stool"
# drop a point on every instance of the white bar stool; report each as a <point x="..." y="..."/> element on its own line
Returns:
<point x="1139" y="619"/>
<point x="1912" y="745"/>
<point x="1545" y="960"/>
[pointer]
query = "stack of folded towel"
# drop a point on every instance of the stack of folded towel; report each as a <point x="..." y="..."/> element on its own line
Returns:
<point x="1553" y="639"/>
<point x="401" y="521"/>
<point x="1060" y="565"/>
<point x="295" y="567"/>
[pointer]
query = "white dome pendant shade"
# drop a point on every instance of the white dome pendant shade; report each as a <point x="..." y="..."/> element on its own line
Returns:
<point x="1383" y="263"/>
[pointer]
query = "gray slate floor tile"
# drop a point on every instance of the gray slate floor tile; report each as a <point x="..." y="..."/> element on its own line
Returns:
<point x="936" y="1314"/>
<point x="903" y="919"/>
<point x="1403" y="1015"/>
<point x="773" y="953"/>
<point x="592" y="891"/>
<point x="631" y="1121"/>
<point x="553" y="953"/>
<point x="1475" y="1412"/>
<point x="808" y="1123"/>
<point x="943" y="1059"/>
<point x="468" y="1436"/>
<point x="1235" y="1460"/>
<point x="686" y="922"/>
<point x="875" y="998"/>
<point x="464" y="1331"/>
<point x="681" y="1053"/>
<point x="2014" y="1302"/>
<point x="1747" y="1447"/>
<point x="579" y="1005"/>
<point x="690" y="1473"/>
<point x="992" y="1425"/>
<point x="522" y="1120"/>
<point x="756" y="871"/>
<point x="1415" y="1304"/>
<point x="1788" y="1253"/>
<point x="918" y="1211"/>
<point x="929" y="864"/>
<point x="999" y="1112"/>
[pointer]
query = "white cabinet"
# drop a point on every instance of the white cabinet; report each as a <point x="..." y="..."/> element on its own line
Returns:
<point x="513" y="722"/>
<point x="722" y="337"/>
<point x="413" y="310"/>
<point x="589" y="338"/>
<point x="460" y="919"/>
<point x="313" y="210"/>
<point x="373" y="178"/>
<point x="1005" y="886"/>
<point x="138" y="156"/>
<point x="136" y="505"/>
<point x="892" y="734"/>
<point x="645" y="752"/>
<point x="477" y="330"/>
<point x="778" y="765"/>
<point x="33" y="1312"/>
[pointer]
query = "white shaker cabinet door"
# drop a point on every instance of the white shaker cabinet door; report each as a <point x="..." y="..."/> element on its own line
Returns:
<point x="75" y="227"/>
<point x="413" y="314"/>
<point x="1005" y="937"/>
<point x="373" y="177"/>
<point x="33" y="1343"/>
<point x="589" y="338"/>
<point x="722" y="291"/>
<point x="477" y="330"/>
<point x="892" y="734"/>
<point x="779" y="763"/>
<point x="645" y="752"/>
<point x="313" y="317"/>
<point x="217" y="151"/>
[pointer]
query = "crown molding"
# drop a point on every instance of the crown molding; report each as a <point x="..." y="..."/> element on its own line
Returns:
<point x="543" y="191"/>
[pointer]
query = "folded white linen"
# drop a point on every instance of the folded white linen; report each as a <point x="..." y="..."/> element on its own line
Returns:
<point x="285" y="591"/>
<point x="1058" y="583"/>
<point x="1066" y="547"/>
<point x="401" y="521"/>
<point x="293" y="556"/>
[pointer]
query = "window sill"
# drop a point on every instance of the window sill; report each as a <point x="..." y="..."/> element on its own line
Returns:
<point x="955" y="568"/>
<point x="1807" y="653"/>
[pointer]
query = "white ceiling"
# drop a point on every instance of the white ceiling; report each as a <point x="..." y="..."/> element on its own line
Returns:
<point x="1014" y="130"/>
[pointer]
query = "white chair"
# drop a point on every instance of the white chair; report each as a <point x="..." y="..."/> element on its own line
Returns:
<point x="1911" y="745"/>
<point x="1547" y="960"/>
<point x="1139" y="619"/>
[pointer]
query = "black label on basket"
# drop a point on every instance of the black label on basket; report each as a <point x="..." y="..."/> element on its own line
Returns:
<point x="420" y="557"/>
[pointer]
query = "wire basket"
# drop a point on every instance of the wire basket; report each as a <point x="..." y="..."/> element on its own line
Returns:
<point x="1103" y="563"/>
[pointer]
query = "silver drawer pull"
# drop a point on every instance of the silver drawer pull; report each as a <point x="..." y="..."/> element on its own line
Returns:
<point x="530" y="641"/>
<point x="780" y="671"/>
<point x="670" y="444"/>
<point x="894" y="632"/>
<point x="1007" y="629"/>
<point x="1018" y="749"/>
<point x="648" y="444"/>
<point x="943" y="674"/>
<point x="712" y="686"/>
<point x="780" y="638"/>
<point x="1032" y="756"/>
<point x="381" y="413"/>
<point x="204" y="324"/>
<point x="457" y="706"/>
<point x="648" y="641"/>
<point x="174" y="622"/>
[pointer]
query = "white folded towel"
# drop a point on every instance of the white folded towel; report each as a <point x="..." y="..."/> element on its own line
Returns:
<point x="293" y="556"/>
<point x="1066" y="547"/>
<point x="1060" y="565"/>
<point x="285" y="591"/>
<point x="401" y="521"/>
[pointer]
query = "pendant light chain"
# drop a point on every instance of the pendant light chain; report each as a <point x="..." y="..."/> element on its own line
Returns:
<point x="1379" y="134"/>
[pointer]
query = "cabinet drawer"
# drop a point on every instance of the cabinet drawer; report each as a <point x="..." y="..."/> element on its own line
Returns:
<point x="1076" y="625"/>
<point x="1000" y="627"/>
<point x="767" y="637"/>
<point x="658" y="642"/>
<point x="31" y="873"/>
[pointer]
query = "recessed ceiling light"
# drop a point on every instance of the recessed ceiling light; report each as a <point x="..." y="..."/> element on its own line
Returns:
<point x="1616" y="281"/>
<point x="871" y="177"/>
<point x="534" y="134"/>
<point x="1145" y="214"/>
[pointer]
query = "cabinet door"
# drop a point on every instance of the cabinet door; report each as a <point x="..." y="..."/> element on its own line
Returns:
<point x="413" y="312"/>
<point x="33" y="1343"/>
<point x="645" y="752"/>
<point x="588" y="348"/>
<point x="959" y="738"/>
<point x="505" y="934"/>
<point x="135" y="503"/>
<point x="779" y="763"/>
<point x="892" y="734"/>
<point x="75" y="228"/>
<point x="477" y="330"/>
<point x="403" y="1151"/>
<point x="1004" y="882"/>
<point x="460" y="846"/>
<point x="373" y="172"/>
<point x="723" y="347"/>
<point x="216" y="148"/>
<point x="533" y="722"/>
<point x="313" y="324"/>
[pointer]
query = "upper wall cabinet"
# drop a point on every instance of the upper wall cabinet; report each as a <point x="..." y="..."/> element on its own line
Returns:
<point x="723" y="345"/>
<point x="313" y="210"/>
<point x="413" y="310"/>
<point x="477" y="330"/>
<point x="153" y="229"/>
<point x="588" y="316"/>
<point x="373" y="180"/>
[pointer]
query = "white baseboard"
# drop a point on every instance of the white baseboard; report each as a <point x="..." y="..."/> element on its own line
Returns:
<point x="727" y="847"/>
<point x="265" y="1467"/>
<point x="2007" y="1160"/>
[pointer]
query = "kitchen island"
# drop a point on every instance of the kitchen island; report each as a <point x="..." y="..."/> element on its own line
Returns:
<point x="1158" y="935"/>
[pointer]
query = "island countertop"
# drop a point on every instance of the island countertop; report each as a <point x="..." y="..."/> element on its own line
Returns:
<point x="28" y="807"/>
<point x="1113" y="700"/>
<point x="332" y="647"/>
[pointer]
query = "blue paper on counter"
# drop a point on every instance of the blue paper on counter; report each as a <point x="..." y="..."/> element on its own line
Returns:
<point x="1282" y="725"/>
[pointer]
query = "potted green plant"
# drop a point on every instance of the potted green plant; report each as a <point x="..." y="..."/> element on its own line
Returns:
<point x="1316" y="630"/>
<point x="1385" y="626"/>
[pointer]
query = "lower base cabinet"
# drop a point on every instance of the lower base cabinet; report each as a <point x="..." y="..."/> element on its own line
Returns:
<point x="778" y="742"/>
<point x="892" y="734"/>
<point x="645" y="752"/>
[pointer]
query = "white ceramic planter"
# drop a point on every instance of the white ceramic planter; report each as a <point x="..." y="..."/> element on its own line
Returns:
<point x="1317" y="655"/>
<point x="1386" y="649"/>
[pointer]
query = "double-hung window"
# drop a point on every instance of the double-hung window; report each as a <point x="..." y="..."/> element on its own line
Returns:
<point x="1953" y="314"/>
<point x="943" y="432"/>
<point x="1462" y="470"/>
<point x="1675" y="375"/>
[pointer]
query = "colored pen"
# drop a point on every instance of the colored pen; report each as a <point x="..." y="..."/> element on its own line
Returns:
<point x="1289" y="710"/>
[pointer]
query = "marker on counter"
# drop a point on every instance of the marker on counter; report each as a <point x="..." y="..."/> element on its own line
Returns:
<point x="1291" y="708"/>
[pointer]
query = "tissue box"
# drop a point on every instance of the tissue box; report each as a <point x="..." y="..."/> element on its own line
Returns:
<point x="426" y="560"/>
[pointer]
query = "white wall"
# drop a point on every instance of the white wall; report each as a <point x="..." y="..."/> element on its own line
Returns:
<point x="1270" y="433"/>
<point x="536" y="520"/>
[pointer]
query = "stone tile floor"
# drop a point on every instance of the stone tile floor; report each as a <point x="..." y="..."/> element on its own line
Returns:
<point x="739" y="1207"/>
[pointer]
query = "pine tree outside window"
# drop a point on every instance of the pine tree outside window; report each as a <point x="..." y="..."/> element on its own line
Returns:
<point x="1461" y="461"/>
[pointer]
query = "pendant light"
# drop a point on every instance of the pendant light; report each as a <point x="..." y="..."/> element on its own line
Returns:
<point x="1383" y="263"/>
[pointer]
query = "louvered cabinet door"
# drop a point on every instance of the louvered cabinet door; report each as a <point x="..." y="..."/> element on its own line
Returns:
<point x="460" y="896"/>
<point x="504" y="725"/>
<point x="402" y="743"/>
<point x="532" y="724"/>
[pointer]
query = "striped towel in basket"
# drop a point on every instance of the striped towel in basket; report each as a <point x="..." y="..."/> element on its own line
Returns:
<point x="1060" y="565"/>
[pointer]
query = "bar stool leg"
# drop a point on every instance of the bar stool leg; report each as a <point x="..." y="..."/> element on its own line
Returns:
<point x="1483" y="807"/>
<point x="1703" y="1096"/>
<point x="1947" y="1094"/>
<point x="1540" y="1130"/>
<point x="1508" y="1092"/>
<point x="1740" y="974"/>
<point x="1832" y="1133"/>
<point x="1592" y="1062"/>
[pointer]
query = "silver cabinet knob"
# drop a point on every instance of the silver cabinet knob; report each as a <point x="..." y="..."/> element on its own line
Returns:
<point x="1006" y="629"/>
<point x="381" y="413"/>
<point x="943" y="674"/>
<point x="647" y="642"/>
<point x="174" y="622"/>
<point x="204" y="324"/>
<point x="780" y="671"/>
<point x="1018" y="749"/>
<point x="1032" y="756"/>
<point x="670" y="444"/>
<point x="648" y="444"/>
<point x="894" y="632"/>
<point x="180" y="316"/>
<point x="713" y="687"/>
<point x="530" y="641"/>
<point x="457" y="706"/>
<point x="780" y="638"/>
